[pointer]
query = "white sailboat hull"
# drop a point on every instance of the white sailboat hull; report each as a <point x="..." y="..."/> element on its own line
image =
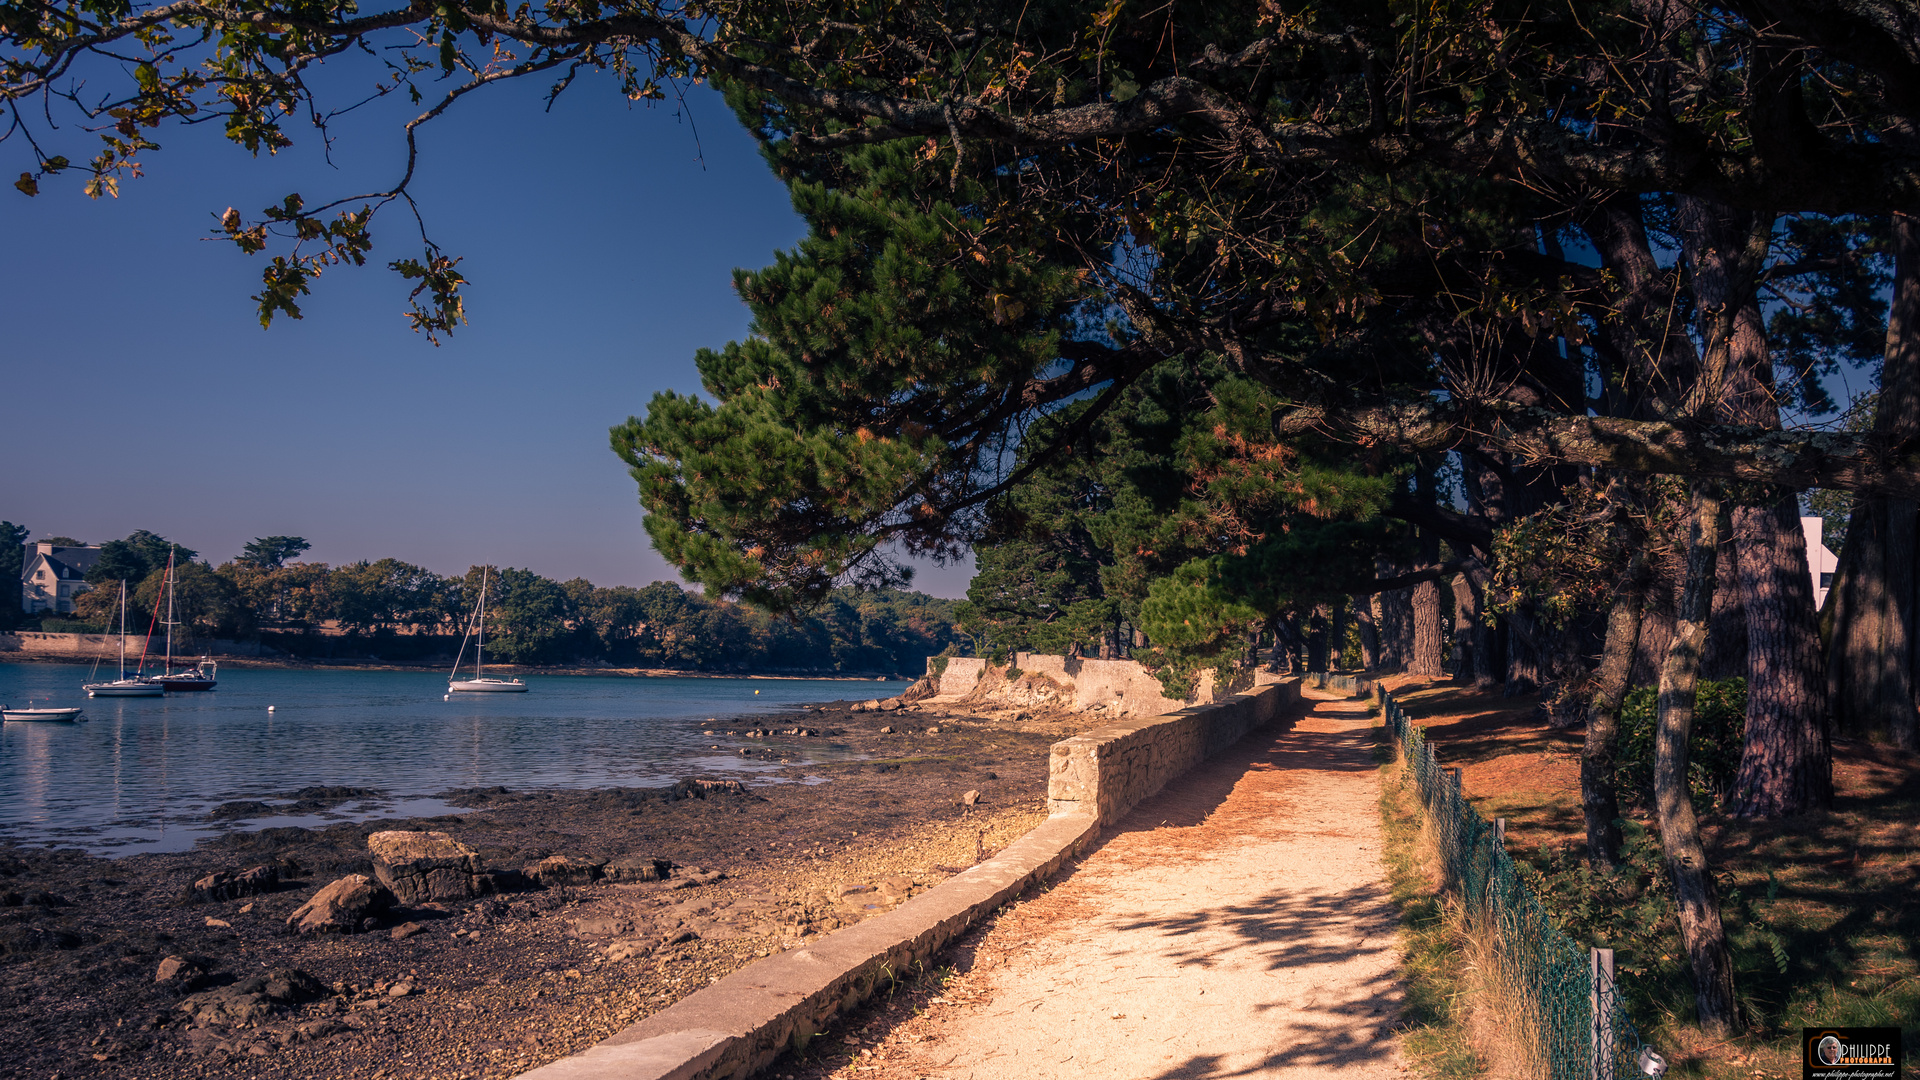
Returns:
<point x="125" y="688"/>
<point x="487" y="686"/>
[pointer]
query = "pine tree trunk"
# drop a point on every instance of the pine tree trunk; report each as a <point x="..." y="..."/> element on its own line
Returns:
<point x="1726" y="649"/>
<point x="1489" y="655"/>
<point x="1786" y="765"/>
<point x="1466" y="613"/>
<point x="1523" y="658"/>
<point x="1337" y="635"/>
<point x="1870" y="660"/>
<point x="1428" y="647"/>
<point x="1369" y="634"/>
<point x="1697" y="901"/>
<point x="1317" y="639"/>
<point x="1598" y="797"/>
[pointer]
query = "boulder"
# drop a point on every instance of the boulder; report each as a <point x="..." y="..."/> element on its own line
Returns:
<point x="969" y="798"/>
<point x="421" y="866"/>
<point x="342" y="906"/>
<point x="700" y="789"/>
<point x="179" y="969"/>
<point x="632" y="868"/>
<point x="252" y="1001"/>
<point x="563" y="870"/>
<point x="226" y="886"/>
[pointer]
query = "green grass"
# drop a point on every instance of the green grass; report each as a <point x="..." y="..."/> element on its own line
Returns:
<point x="1434" y="965"/>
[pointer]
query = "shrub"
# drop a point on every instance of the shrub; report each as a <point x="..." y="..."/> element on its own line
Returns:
<point x="1713" y="755"/>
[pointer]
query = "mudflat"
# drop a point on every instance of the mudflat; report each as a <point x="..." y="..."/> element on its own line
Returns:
<point x="119" y="968"/>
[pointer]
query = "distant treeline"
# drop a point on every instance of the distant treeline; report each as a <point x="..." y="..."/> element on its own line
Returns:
<point x="392" y="610"/>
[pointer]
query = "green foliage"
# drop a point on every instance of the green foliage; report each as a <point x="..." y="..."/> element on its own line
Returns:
<point x="13" y="553"/>
<point x="205" y="602"/>
<point x="270" y="552"/>
<point x="133" y="559"/>
<point x="1713" y="754"/>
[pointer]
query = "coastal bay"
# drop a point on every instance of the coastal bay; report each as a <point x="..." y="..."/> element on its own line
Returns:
<point x="494" y="984"/>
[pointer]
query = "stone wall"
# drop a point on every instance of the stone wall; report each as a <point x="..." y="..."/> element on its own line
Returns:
<point x="35" y="645"/>
<point x="740" y="1025"/>
<point x="1107" y="771"/>
<point x="1116" y="686"/>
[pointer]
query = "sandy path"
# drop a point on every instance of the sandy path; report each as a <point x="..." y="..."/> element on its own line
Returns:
<point x="1238" y="926"/>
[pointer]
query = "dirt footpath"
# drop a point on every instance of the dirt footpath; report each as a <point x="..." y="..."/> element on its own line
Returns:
<point x="1237" y="925"/>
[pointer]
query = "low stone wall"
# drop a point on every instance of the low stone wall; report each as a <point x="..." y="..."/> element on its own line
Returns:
<point x="33" y="644"/>
<point x="740" y="1024"/>
<point x="1107" y="771"/>
<point x="1116" y="686"/>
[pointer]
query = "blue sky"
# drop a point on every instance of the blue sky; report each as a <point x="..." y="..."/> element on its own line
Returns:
<point x="599" y="240"/>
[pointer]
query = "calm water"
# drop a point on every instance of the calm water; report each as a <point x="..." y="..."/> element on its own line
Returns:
<point x="141" y="773"/>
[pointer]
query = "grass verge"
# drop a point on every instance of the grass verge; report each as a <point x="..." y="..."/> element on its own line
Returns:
<point x="1436" y="1030"/>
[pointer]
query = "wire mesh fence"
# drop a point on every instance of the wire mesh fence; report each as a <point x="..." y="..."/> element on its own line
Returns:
<point x="1557" y="998"/>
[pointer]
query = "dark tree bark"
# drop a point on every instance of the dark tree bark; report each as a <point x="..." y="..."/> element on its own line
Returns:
<point x="1598" y="797"/>
<point x="1695" y="897"/>
<point x="1466" y="613"/>
<point x="1786" y="763"/>
<point x="1393" y="621"/>
<point x="1369" y="634"/>
<point x="1523" y="673"/>
<point x="1489" y="654"/>
<point x="1337" y="634"/>
<point x="1317" y="639"/>
<point x="1428" y="618"/>
<point x="1726" y="649"/>
<point x="1870" y="659"/>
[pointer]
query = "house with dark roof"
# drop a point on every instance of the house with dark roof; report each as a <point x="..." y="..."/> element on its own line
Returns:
<point x="53" y="576"/>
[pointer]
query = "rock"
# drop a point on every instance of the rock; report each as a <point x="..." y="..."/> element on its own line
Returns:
<point x="563" y="870"/>
<point x="342" y="906"/>
<point x="630" y="868"/>
<point x="602" y="927"/>
<point x="222" y="923"/>
<point x="678" y="937"/>
<point x="693" y="876"/>
<point x="252" y="1001"/>
<point x="933" y="731"/>
<point x="226" y="886"/>
<point x="897" y="887"/>
<point x="886" y="730"/>
<point x="407" y="930"/>
<point x="855" y="890"/>
<point x="400" y="989"/>
<point x="863" y="706"/>
<point x="421" y="866"/>
<point x="315" y="1030"/>
<point x="969" y="798"/>
<point x="700" y="789"/>
<point x="888" y="705"/>
<point x="627" y="950"/>
<point x="179" y="969"/>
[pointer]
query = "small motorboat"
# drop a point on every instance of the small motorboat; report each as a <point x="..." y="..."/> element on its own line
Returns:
<point x="61" y="716"/>
<point x="480" y="683"/>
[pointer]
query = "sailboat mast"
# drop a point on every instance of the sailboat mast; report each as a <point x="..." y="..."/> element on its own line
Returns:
<point x="123" y="628"/>
<point x="170" y="550"/>
<point x="480" y="641"/>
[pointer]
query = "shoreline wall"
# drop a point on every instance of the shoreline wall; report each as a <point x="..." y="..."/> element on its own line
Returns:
<point x="742" y="1023"/>
<point x="31" y="643"/>
<point x="1080" y="683"/>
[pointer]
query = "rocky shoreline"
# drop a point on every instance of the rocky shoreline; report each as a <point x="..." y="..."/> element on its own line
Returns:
<point x="532" y="925"/>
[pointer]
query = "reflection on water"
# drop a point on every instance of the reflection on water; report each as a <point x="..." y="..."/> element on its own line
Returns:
<point x="142" y="773"/>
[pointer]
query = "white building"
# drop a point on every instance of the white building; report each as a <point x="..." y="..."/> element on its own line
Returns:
<point x="51" y="577"/>
<point x="1820" y="562"/>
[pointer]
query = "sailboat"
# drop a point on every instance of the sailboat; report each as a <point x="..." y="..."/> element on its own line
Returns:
<point x="202" y="677"/>
<point x="124" y="686"/>
<point x="480" y="683"/>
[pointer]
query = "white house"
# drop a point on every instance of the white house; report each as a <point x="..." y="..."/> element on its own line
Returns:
<point x="1821" y="563"/>
<point x="51" y="577"/>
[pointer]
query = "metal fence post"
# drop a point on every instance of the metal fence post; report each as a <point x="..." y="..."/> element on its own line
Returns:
<point x="1601" y="978"/>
